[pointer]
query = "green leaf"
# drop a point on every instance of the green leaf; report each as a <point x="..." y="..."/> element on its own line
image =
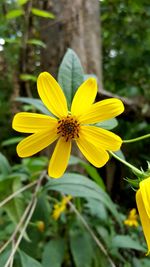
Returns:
<point x="14" y="13"/>
<point x="28" y="77"/>
<point x="5" y="167"/>
<point x="133" y="182"/>
<point x="70" y="74"/>
<point x="93" y="173"/>
<point x="15" y="207"/>
<point x="5" y="187"/>
<point x="104" y="234"/>
<point x="53" y="254"/>
<point x="75" y="160"/>
<point x="35" y="164"/>
<point x="145" y="262"/>
<point x="27" y="261"/>
<point x="42" y="13"/>
<point x="12" y="40"/>
<point x="80" y="186"/>
<point x="81" y="248"/>
<point x="36" y="42"/>
<point x="125" y="241"/>
<point x="35" y="103"/>
<point x="98" y="211"/>
<point x="22" y="2"/>
<point x="4" y="257"/>
<point x="12" y="141"/>
<point x="120" y="154"/>
<point x="108" y="124"/>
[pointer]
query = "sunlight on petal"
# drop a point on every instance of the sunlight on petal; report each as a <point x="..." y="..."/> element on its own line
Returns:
<point x="52" y="95"/>
<point x="59" y="159"/>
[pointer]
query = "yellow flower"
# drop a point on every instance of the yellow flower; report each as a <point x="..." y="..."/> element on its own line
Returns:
<point x="60" y="207"/>
<point x="143" y="204"/>
<point x="132" y="218"/>
<point x="41" y="226"/>
<point x="68" y="126"/>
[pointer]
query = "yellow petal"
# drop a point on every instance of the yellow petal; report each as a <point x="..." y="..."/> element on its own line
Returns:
<point x="145" y="220"/>
<point x="145" y="191"/>
<point x="36" y="142"/>
<point x="102" y="110"/>
<point x="59" y="159"/>
<point x="97" y="156"/>
<point x="84" y="97"/>
<point x="101" y="138"/>
<point x="52" y="95"/>
<point x="26" y="122"/>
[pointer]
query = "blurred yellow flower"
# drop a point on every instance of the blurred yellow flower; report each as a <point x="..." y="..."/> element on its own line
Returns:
<point x="60" y="207"/>
<point x="143" y="204"/>
<point x="132" y="219"/>
<point x="68" y="126"/>
<point x="41" y="226"/>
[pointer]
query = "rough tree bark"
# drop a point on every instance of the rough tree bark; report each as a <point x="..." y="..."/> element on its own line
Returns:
<point x="77" y="25"/>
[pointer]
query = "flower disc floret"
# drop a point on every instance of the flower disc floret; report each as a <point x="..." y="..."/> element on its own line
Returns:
<point x="68" y="128"/>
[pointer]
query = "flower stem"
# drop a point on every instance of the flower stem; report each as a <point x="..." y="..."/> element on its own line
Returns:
<point x="129" y="165"/>
<point x="136" y="139"/>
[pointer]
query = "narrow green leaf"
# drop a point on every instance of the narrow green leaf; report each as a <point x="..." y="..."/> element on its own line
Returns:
<point x="22" y="2"/>
<point x="108" y="124"/>
<point x="28" y="77"/>
<point x="14" y="13"/>
<point x="125" y="241"/>
<point x="5" y="167"/>
<point x="93" y="173"/>
<point x="70" y="74"/>
<point x="42" y="13"/>
<point x="4" y="257"/>
<point x="81" y="248"/>
<point x="145" y="262"/>
<point x="53" y="254"/>
<point x="104" y="234"/>
<point x="35" y="103"/>
<point x="12" y="141"/>
<point x="120" y="154"/>
<point x="133" y="182"/>
<point x="27" y="261"/>
<point x="15" y="207"/>
<point x="75" y="160"/>
<point x="36" y="42"/>
<point x="98" y="211"/>
<point x="80" y="186"/>
<point x="12" y="40"/>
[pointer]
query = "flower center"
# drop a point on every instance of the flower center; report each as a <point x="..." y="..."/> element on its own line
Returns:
<point x="68" y="128"/>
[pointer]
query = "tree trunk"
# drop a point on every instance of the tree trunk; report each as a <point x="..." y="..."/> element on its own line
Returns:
<point x="77" y="25"/>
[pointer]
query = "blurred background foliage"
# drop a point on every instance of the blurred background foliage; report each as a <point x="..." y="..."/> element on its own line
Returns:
<point x="125" y="38"/>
